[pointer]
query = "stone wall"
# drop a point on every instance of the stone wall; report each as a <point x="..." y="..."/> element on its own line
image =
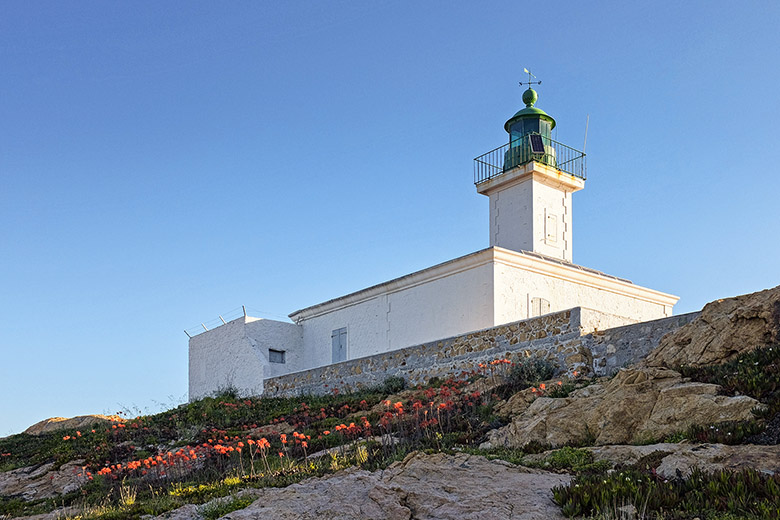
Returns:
<point x="442" y="358"/>
<point x="618" y="347"/>
<point x="566" y="338"/>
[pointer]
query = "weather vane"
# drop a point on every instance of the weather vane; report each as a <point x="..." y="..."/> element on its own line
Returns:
<point x="529" y="82"/>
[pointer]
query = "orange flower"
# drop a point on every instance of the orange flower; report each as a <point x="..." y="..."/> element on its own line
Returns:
<point x="326" y="432"/>
<point x="542" y="387"/>
<point x="283" y="438"/>
<point x="305" y="444"/>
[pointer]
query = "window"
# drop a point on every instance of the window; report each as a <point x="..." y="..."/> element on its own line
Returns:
<point x="338" y="339"/>
<point x="276" y="356"/>
<point x="539" y="306"/>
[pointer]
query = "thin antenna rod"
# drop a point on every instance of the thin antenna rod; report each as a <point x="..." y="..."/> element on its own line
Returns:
<point x="585" y="143"/>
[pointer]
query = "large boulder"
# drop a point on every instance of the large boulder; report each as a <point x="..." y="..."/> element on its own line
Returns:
<point x="74" y="423"/>
<point x="637" y="405"/>
<point x="725" y="329"/>
<point x="423" y="487"/>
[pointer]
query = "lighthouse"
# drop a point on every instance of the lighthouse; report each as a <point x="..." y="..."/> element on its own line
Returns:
<point x="530" y="182"/>
<point x="525" y="273"/>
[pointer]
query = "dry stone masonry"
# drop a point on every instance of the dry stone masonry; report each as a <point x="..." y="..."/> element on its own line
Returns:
<point x="575" y="339"/>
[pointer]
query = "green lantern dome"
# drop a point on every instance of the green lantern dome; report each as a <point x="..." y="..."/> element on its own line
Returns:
<point x="529" y="119"/>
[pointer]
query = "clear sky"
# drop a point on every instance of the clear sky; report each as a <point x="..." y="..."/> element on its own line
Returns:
<point x="162" y="163"/>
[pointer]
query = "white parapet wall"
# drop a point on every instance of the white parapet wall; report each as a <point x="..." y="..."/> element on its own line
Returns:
<point x="240" y="354"/>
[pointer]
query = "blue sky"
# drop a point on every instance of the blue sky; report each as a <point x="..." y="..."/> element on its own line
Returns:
<point x="162" y="163"/>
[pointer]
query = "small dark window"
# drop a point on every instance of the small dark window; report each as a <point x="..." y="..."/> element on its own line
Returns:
<point x="276" y="356"/>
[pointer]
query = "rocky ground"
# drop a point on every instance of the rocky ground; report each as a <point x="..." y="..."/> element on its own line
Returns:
<point x="424" y="487"/>
<point x="619" y="420"/>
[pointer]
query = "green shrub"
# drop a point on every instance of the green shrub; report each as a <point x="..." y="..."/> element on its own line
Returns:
<point x="729" y="432"/>
<point x="563" y="390"/>
<point x="393" y="384"/>
<point x="755" y="373"/>
<point x="747" y="493"/>
<point x="529" y="373"/>
<point x="574" y="459"/>
<point x="220" y="508"/>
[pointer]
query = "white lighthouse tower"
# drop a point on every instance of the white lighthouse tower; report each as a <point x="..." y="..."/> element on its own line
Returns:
<point x="530" y="182"/>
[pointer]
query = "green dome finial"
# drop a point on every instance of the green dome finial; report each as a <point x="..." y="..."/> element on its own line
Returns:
<point x="523" y="120"/>
<point x="529" y="97"/>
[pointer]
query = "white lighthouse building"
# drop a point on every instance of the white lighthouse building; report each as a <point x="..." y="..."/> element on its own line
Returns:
<point x="526" y="271"/>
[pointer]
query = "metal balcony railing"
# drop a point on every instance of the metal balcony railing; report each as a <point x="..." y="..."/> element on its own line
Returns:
<point x="518" y="152"/>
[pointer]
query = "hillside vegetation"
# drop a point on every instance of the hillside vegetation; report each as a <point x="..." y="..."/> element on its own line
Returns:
<point x="217" y="446"/>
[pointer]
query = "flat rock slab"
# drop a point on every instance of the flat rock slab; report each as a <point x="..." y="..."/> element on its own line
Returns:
<point x="421" y="487"/>
<point x="34" y="482"/>
<point x="707" y="457"/>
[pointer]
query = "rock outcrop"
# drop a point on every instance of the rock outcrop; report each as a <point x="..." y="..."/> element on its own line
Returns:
<point x="439" y="486"/>
<point x="670" y="458"/>
<point x="636" y="405"/>
<point x="725" y="329"/>
<point x="62" y="423"/>
<point x="684" y="457"/>
<point x="43" y="481"/>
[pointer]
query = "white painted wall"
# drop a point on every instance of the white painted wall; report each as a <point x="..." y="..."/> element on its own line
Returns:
<point x="531" y="210"/>
<point x="519" y="277"/>
<point x="278" y="335"/>
<point x="484" y="289"/>
<point x="444" y="307"/>
<point x="235" y="355"/>
<point x="551" y="240"/>
<point x="511" y="225"/>
<point x="439" y="302"/>
<point x="487" y="288"/>
<point x="366" y="324"/>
